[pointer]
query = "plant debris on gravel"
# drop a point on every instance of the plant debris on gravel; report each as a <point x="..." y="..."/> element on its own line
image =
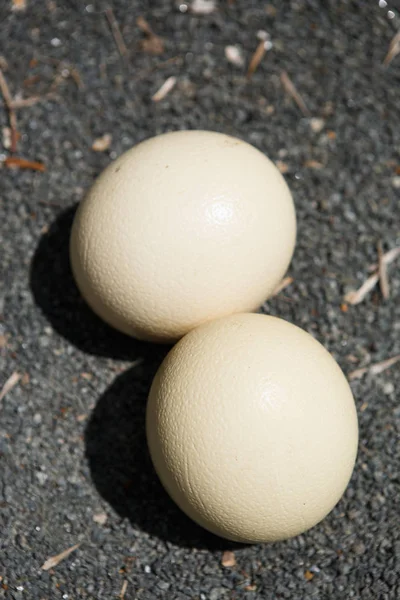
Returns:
<point x="82" y="514"/>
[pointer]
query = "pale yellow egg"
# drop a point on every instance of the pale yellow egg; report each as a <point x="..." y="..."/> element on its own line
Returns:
<point x="181" y="229"/>
<point x="252" y="428"/>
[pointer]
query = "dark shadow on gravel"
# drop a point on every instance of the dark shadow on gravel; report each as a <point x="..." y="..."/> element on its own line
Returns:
<point x="115" y="438"/>
<point x="121" y="467"/>
<point x="55" y="292"/>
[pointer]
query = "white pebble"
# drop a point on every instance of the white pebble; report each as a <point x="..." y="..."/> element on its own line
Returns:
<point x="388" y="388"/>
<point x="234" y="55"/>
<point x="396" y="182"/>
<point x="317" y="124"/>
<point x="42" y="477"/>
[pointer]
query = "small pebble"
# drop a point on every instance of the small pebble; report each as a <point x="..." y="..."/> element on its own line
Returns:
<point x="396" y="182"/>
<point x="388" y="388"/>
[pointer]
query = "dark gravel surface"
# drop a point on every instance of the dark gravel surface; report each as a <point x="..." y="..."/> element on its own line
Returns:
<point x="73" y="460"/>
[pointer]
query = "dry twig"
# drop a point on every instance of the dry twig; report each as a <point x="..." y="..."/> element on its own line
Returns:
<point x="314" y="164"/>
<point x="13" y="104"/>
<point x="382" y="272"/>
<point x="375" y="369"/>
<point x="23" y="163"/>
<point x="123" y="589"/>
<point x="394" y="49"/>
<point x="5" y="90"/>
<point x="291" y="90"/>
<point x="165" y="89"/>
<point x="31" y="101"/>
<point x="115" y="30"/>
<point x="357" y="296"/>
<point x="75" y="75"/>
<point x="256" y="58"/>
<point x="53" y="561"/>
<point x="66" y="70"/>
<point x="9" y="384"/>
<point x="387" y="258"/>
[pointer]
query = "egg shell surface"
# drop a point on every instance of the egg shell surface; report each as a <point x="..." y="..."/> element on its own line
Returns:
<point x="183" y="228"/>
<point x="252" y="428"/>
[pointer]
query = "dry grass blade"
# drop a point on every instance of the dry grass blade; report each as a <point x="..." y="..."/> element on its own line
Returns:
<point x="9" y="384"/>
<point x="313" y="164"/>
<point x="53" y="561"/>
<point x="387" y="258"/>
<point x="115" y="30"/>
<point x="153" y="44"/>
<point x="14" y="131"/>
<point x="64" y="71"/>
<point x="382" y="272"/>
<point x="357" y="296"/>
<point x="31" y="101"/>
<point x="144" y="26"/>
<point x="291" y="90"/>
<point x="165" y="89"/>
<point x="256" y="58"/>
<point x="102" y="143"/>
<point x="123" y="589"/>
<point x="375" y="369"/>
<point x="75" y="75"/>
<point x="23" y="163"/>
<point x="378" y="368"/>
<point x="357" y="374"/>
<point x="282" y="285"/>
<point x="394" y="49"/>
<point x="5" y="90"/>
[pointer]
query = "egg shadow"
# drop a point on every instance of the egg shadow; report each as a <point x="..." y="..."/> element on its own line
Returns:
<point x="115" y="440"/>
<point x="121" y="468"/>
<point x="55" y="292"/>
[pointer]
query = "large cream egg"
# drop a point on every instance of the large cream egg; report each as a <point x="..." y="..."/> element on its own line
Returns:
<point x="181" y="229"/>
<point x="252" y="428"/>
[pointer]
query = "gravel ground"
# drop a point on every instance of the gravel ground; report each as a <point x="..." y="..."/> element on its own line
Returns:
<point x="74" y="465"/>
